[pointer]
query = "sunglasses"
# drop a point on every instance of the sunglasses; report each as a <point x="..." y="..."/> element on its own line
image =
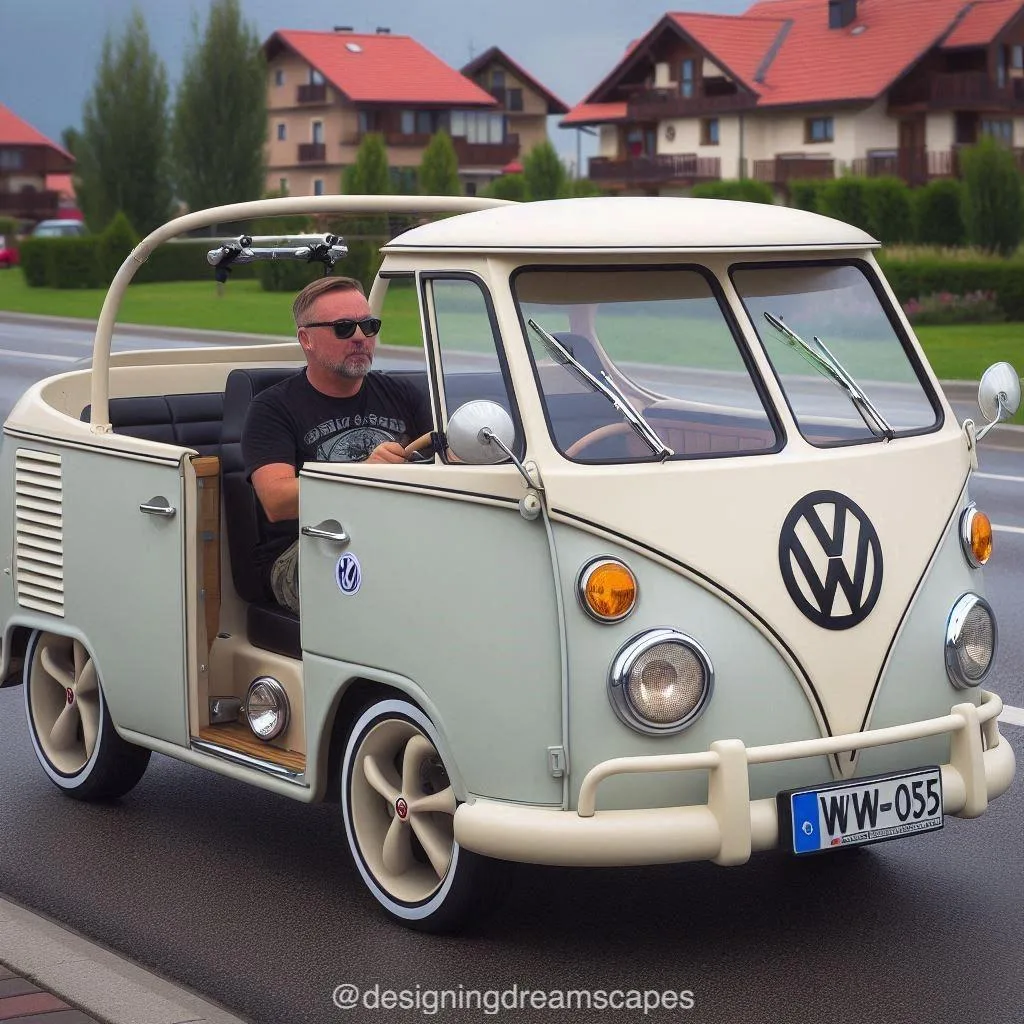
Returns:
<point x="344" y="329"/>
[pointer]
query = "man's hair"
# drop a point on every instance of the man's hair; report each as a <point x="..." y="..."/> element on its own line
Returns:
<point x="306" y="299"/>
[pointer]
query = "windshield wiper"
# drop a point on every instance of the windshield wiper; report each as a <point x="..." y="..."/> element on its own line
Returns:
<point x="606" y="387"/>
<point x="822" y="359"/>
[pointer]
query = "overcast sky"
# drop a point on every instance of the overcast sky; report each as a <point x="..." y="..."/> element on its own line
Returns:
<point x="50" y="47"/>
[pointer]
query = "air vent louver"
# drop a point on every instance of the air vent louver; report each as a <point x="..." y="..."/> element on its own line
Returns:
<point x="39" y="531"/>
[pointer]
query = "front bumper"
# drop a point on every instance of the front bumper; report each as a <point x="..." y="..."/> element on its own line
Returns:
<point x="730" y="825"/>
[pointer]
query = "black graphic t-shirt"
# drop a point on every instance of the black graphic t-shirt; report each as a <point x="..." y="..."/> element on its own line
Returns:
<point x="293" y="423"/>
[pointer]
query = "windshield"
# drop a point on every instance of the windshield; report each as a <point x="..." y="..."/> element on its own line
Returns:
<point x="835" y="310"/>
<point x="658" y="337"/>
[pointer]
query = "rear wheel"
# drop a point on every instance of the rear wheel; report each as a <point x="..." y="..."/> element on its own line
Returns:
<point x="70" y="727"/>
<point x="399" y="812"/>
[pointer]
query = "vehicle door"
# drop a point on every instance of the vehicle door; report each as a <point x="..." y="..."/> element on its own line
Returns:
<point x="441" y="580"/>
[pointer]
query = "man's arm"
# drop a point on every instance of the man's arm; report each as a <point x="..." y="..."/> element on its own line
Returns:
<point x="277" y="487"/>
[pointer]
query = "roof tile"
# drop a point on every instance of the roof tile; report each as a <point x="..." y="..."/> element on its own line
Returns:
<point x="16" y="132"/>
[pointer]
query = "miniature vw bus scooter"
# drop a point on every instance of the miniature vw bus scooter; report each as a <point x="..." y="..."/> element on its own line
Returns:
<point x="692" y="572"/>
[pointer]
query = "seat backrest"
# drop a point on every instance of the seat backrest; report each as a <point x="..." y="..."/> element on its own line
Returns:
<point x="192" y="421"/>
<point x="246" y="524"/>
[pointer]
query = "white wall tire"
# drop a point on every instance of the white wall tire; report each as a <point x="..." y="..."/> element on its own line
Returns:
<point x="72" y="735"/>
<point x="399" y="810"/>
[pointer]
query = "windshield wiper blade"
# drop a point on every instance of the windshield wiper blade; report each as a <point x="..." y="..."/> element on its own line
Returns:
<point x="821" y="358"/>
<point x="606" y="387"/>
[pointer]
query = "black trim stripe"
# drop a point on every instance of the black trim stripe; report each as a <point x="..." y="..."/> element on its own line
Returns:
<point x="62" y="442"/>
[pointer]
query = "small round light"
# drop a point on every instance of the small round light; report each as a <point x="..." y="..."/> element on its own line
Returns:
<point x="976" y="535"/>
<point x="660" y="682"/>
<point x="971" y="640"/>
<point x="606" y="589"/>
<point x="266" y="708"/>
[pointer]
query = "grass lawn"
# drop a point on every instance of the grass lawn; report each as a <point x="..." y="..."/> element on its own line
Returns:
<point x="958" y="352"/>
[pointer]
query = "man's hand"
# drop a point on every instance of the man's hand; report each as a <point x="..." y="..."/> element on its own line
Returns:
<point x="389" y="451"/>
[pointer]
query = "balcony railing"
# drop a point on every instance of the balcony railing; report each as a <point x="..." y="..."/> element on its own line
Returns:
<point x="407" y="139"/>
<point x="784" y="169"/>
<point x="486" y="154"/>
<point x="877" y="165"/>
<point x="29" y="205"/>
<point x="656" y="170"/>
<point x="312" y="153"/>
<point x="312" y="93"/>
<point x="961" y="90"/>
<point x="658" y="104"/>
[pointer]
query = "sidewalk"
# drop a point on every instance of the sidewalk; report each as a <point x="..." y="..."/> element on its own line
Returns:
<point x="49" y="975"/>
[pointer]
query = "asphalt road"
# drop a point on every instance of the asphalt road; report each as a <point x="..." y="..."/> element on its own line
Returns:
<point x="250" y="899"/>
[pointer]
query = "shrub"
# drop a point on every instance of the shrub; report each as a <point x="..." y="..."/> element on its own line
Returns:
<point x="584" y="188"/>
<point x="938" y="213"/>
<point x="8" y="228"/>
<point x="805" y="194"/>
<point x="846" y="199"/>
<point x="114" y="245"/>
<point x="747" y="190"/>
<point x="363" y="261"/>
<point x="992" y="197"/>
<point x="73" y="263"/>
<point x="508" y="186"/>
<point x="890" y="213"/>
<point x="947" y="308"/>
<point x="33" y="257"/>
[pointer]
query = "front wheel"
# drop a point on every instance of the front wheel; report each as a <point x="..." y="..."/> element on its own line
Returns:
<point x="399" y="812"/>
<point x="70" y="727"/>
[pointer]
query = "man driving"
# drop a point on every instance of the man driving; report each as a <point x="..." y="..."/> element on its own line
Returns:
<point x="335" y="410"/>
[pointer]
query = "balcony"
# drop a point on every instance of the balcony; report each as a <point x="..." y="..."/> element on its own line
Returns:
<point x="486" y="154"/>
<point x="312" y="153"/>
<point x="960" y="90"/>
<point x="312" y="93"/>
<point x="663" y="169"/>
<point x="410" y="139"/>
<point x="29" y="205"/>
<point x="659" y="104"/>
<point x="877" y="165"/>
<point x="784" y="169"/>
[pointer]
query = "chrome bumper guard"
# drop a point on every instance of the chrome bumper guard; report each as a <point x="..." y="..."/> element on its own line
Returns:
<point x="730" y="826"/>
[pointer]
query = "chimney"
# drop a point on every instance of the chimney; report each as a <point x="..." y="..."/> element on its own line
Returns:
<point x="841" y="13"/>
<point x="383" y="31"/>
<point x="343" y="28"/>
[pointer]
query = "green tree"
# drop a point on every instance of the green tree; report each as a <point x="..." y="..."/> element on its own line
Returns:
<point x="369" y="175"/>
<point x="439" y="168"/>
<point x="993" y="210"/>
<point x="544" y="173"/>
<point x="938" y="213"/>
<point x="508" y="186"/>
<point x="220" y="113"/>
<point x="846" y="199"/>
<point x="121" y="153"/>
<point x="890" y="213"/>
<point x="116" y="242"/>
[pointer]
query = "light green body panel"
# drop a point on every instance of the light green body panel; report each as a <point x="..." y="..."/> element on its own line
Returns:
<point x="757" y="699"/>
<point x="915" y="684"/>
<point x="458" y="597"/>
<point x="7" y="606"/>
<point x="123" y="583"/>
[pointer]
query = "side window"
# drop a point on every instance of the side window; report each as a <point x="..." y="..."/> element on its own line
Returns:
<point x="467" y="338"/>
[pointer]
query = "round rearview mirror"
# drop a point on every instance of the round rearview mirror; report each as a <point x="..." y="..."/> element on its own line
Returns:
<point x="468" y="430"/>
<point x="999" y="392"/>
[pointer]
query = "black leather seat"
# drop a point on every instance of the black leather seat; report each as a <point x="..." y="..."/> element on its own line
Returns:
<point x="193" y="421"/>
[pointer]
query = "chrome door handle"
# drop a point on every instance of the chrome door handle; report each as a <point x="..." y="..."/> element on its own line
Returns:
<point x="329" y="529"/>
<point x="158" y="506"/>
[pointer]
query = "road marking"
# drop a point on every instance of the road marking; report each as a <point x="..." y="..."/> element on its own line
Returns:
<point x="1007" y="529"/>
<point x="1000" y="476"/>
<point x="38" y="355"/>
<point x="1012" y="715"/>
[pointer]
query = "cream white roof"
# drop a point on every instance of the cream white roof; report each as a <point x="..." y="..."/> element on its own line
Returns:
<point x="635" y="224"/>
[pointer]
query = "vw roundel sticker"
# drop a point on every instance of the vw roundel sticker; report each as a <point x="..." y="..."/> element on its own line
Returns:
<point x="831" y="560"/>
<point x="349" y="573"/>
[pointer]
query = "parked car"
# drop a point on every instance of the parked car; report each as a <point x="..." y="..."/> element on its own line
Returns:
<point x="59" y="229"/>
<point x="8" y="253"/>
<point x="697" y="574"/>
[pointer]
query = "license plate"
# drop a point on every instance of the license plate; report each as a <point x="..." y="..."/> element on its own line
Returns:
<point x="862" y="811"/>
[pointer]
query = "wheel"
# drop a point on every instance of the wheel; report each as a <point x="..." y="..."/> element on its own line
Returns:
<point x="72" y="734"/>
<point x="399" y="811"/>
<point x="598" y="434"/>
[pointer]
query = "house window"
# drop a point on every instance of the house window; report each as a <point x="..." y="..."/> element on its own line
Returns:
<point x="497" y="79"/>
<point x="318" y="132"/>
<point x="282" y="132"/>
<point x="818" y="129"/>
<point x="424" y="122"/>
<point x="478" y="126"/>
<point x="364" y="122"/>
<point x="1001" y="67"/>
<point x="10" y="159"/>
<point x="1017" y="58"/>
<point x="408" y="122"/>
<point x="470" y="188"/>
<point x="278" y="77"/>
<point x="1001" y="129"/>
<point x="315" y="78"/>
<point x="709" y="131"/>
<point x="318" y="187"/>
<point x="687" y="72"/>
<point x="515" y="99"/>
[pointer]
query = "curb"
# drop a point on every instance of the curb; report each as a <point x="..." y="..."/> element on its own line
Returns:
<point x="93" y="979"/>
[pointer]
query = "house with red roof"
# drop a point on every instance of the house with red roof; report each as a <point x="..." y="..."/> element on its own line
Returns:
<point x="26" y="158"/>
<point x="326" y="90"/>
<point x="809" y="89"/>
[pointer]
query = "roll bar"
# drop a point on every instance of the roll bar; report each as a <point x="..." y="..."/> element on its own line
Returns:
<point x="99" y="421"/>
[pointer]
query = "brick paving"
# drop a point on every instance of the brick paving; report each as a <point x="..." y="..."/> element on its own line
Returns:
<point x="21" y="1002"/>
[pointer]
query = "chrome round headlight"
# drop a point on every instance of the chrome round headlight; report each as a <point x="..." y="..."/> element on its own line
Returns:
<point x="971" y="640"/>
<point x="266" y="708"/>
<point x="660" y="682"/>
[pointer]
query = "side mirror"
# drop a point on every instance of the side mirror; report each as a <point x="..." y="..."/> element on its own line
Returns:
<point x="472" y="429"/>
<point x="998" y="395"/>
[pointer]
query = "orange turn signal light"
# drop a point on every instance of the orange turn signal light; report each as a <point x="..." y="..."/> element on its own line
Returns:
<point x="976" y="535"/>
<point x="607" y="590"/>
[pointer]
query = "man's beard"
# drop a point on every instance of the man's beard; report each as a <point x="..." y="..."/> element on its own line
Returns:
<point x="353" y="366"/>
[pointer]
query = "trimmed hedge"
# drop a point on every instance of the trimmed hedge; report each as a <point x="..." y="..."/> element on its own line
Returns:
<point x="890" y="212"/>
<point x="938" y="214"/>
<point x="747" y="190"/>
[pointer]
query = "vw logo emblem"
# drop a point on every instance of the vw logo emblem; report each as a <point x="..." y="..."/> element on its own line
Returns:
<point x="401" y="808"/>
<point x="831" y="560"/>
<point x="349" y="574"/>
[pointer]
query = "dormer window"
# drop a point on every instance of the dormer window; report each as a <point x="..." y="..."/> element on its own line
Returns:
<point x="315" y="78"/>
<point x="687" y="75"/>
